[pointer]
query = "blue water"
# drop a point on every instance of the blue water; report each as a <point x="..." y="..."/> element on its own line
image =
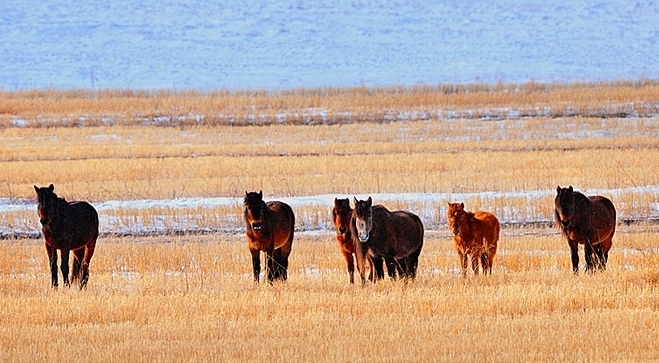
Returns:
<point x="290" y="44"/>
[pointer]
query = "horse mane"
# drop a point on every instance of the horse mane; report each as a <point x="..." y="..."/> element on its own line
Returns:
<point x="253" y="201"/>
<point x="471" y="216"/>
<point x="342" y="206"/>
<point x="362" y="209"/>
<point x="59" y="210"/>
<point x="581" y="206"/>
<point x="581" y="200"/>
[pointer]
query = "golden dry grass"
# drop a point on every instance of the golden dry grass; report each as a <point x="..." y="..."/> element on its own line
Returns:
<point x="459" y="156"/>
<point x="40" y="108"/>
<point x="424" y="156"/>
<point x="191" y="298"/>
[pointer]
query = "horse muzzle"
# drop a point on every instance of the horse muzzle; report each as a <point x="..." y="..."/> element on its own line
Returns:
<point x="363" y="239"/>
<point x="342" y="230"/>
<point x="257" y="226"/>
<point x="456" y="231"/>
<point x="565" y="224"/>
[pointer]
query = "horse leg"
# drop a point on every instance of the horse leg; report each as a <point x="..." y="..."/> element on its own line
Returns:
<point x="485" y="262"/>
<point x="350" y="264"/>
<point x="402" y="268"/>
<point x="490" y="250"/>
<point x="77" y="263"/>
<point x="86" y="260"/>
<point x="64" y="266"/>
<point x="574" y="253"/>
<point x="52" y="262"/>
<point x="270" y="266"/>
<point x="280" y="263"/>
<point x="393" y="267"/>
<point x="281" y="258"/>
<point x="474" y="263"/>
<point x="360" y="259"/>
<point x="599" y="252"/>
<point x="604" y="255"/>
<point x="256" y="263"/>
<point x="378" y="268"/>
<point x="284" y="267"/>
<point x="274" y="266"/>
<point x="463" y="263"/>
<point x="588" y="256"/>
<point x="413" y="263"/>
<point x="371" y="271"/>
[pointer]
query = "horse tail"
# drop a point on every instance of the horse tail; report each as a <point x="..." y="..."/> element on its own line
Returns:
<point x="292" y="226"/>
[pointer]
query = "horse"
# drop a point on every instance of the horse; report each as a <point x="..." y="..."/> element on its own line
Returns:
<point x="590" y="221"/>
<point x="67" y="226"/>
<point x="341" y="215"/>
<point x="475" y="235"/>
<point x="269" y="228"/>
<point x="396" y="237"/>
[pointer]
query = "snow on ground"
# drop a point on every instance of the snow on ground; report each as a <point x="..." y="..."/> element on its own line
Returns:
<point x="189" y="44"/>
<point x="124" y="217"/>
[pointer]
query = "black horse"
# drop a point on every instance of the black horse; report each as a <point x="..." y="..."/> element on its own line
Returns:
<point x="67" y="227"/>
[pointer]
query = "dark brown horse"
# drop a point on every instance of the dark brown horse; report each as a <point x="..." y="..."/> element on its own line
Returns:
<point x="396" y="237"/>
<point x="341" y="215"/>
<point x="269" y="228"/>
<point x="475" y="235"/>
<point x="67" y="227"/>
<point x="590" y="221"/>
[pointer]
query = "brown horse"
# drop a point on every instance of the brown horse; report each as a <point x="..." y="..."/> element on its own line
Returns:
<point x="269" y="228"/>
<point x="590" y="221"/>
<point x="67" y="227"/>
<point x="396" y="237"/>
<point x="341" y="214"/>
<point x="475" y="235"/>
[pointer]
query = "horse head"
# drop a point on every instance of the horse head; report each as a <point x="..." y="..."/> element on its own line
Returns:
<point x="565" y="206"/>
<point x="341" y="214"/>
<point x="363" y="218"/>
<point x="455" y="216"/>
<point x="47" y="201"/>
<point x="254" y="210"/>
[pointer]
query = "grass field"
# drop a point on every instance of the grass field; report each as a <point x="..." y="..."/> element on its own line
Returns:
<point x="191" y="298"/>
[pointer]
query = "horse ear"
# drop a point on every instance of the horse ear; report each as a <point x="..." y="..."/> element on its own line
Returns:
<point x="51" y="187"/>
<point x="462" y="205"/>
<point x="558" y="189"/>
<point x="36" y="189"/>
<point x="261" y="194"/>
<point x="571" y="190"/>
<point x="369" y="201"/>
